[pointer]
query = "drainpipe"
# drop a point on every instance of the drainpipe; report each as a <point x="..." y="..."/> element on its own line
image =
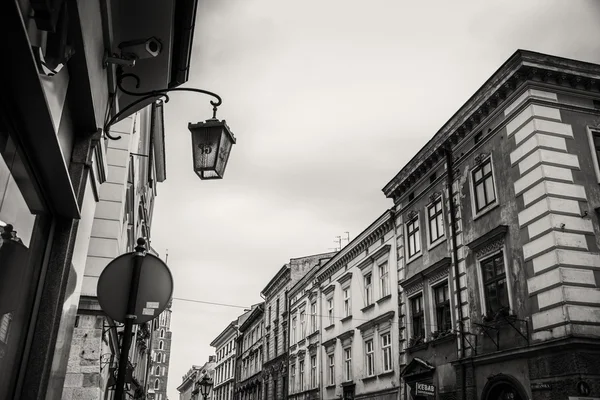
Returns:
<point x="449" y="182"/>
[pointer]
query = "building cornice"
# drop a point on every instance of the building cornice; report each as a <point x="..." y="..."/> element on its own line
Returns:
<point x="227" y="333"/>
<point x="366" y="238"/>
<point x="281" y="278"/>
<point x="376" y="321"/>
<point x="254" y="315"/>
<point x="521" y="67"/>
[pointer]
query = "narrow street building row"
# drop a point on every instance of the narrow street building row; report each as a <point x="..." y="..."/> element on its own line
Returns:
<point x="481" y="282"/>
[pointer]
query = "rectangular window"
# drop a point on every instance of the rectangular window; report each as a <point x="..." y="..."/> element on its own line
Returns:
<point x="331" y="372"/>
<point x="384" y="279"/>
<point x="414" y="240"/>
<point x="293" y="377"/>
<point x="302" y="325"/>
<point x="594" y="141"/>
<point x="347" y="304"/>
<point x="442" y="307"/>
<point x="386" y="350"/>
<point x="348" y="364"/>
<point x="330" y="310"/>
<point x="313" y="371"/>
<point x="368" y="289"/>
<point x="483" y="185"/>
<point x="313" y="317"/>
<point x="369" y="358"/>
<point x="418" y="319"/>
<point x="269" y="315"/>
<point x="294" y="330"/>
<point x="301" y="373"/>
<point x="494" y="283"/>
<point x="435" y="215"/>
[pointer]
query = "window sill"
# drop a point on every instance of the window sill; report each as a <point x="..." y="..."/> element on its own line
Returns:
<point x="348" y="318"/>
<point x="327" y="328"/>
<point x="384" y="298"/>
<point x="417" y="347"/>
<point x="485" y="210"/>
<point x="386" y="373"/>
<point x="440" y="340"/>
<point x="332" y="386"/>
<point x="414" y="258"/>
<point x="301" y="342"/>
<point x="348" y="383"/>
<point x="367" y="308"/>
<point x="369" y="378"/>
<point x="436" y="243"/>
<point x="315" y="333"/>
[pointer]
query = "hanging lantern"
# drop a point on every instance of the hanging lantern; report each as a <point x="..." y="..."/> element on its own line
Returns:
<point x="211" y="145"/>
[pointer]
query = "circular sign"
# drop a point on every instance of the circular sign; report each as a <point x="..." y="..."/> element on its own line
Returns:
<point x="154" y="292"/>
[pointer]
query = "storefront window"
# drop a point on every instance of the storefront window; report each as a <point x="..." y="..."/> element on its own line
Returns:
<point x="22" y="243"/>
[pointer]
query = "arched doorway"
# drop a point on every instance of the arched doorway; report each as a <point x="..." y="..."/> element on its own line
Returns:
<point x="503" y="387"/>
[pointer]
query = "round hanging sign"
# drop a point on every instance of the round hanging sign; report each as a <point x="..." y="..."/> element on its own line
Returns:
<point x="154" y="293"/>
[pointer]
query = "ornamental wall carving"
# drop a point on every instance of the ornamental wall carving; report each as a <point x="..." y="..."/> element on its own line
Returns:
<point x="490" y="248"/>
<point x="439" y="275"/>
<point x="414" y="288"/>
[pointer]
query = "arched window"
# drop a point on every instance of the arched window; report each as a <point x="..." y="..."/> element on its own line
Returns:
<point x="159" y="358"/>
<point x="162" y="333"/>
<point x="161" y="344"/>
<point x="157" y="384"/>
<point x="157" y="373"/>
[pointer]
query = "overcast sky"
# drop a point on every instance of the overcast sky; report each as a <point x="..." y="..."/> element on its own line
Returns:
<point x="328" y="100"/>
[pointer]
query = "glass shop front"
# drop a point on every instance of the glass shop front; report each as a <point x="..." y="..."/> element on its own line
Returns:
<point x="24" y="237"/>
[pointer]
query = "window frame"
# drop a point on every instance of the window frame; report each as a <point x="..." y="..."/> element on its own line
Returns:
<point x="347" y="297"/>
<point x="384" y="287"/>
<point x="368" y="289"/>
<point x="488" y="207"/>
<point x="421" y="315"/>
<point x="386" y="349"/>
<point x="331" y="368"/>
<point x="594" y="152"/>
<point x="301" y="374"/>
<point x="294" y="337"/>
<point x="482" y="283"/>
<point x="416" y="232"/>
<point x="331" y="310"/>
<point x="293" y="377"/>
<point x="313" y="371"/>
<point x="369" y="357"/>
<point x="302" y="324"/>
<point x="313" y="317"/>
<point x="431" y="243"/>
<point x="347" y="363"/>
<point x="446" y="306"/>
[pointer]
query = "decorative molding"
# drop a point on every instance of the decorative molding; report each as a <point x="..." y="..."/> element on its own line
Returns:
<point x="434" y="196"/>
<point x="329" y="343"/>
<point x="439" y="275"/>
<point x="346" y="335"/>
<point x="479" y="158"/>
<point x="376" y="321"/>
<point x="345" y="278"/>
<point x="414" y="288"/>
<point x="489" y="248"/>
<point x="328" y="289"/>
<point x="412" y="214"/>
<point x="489" y="242"/>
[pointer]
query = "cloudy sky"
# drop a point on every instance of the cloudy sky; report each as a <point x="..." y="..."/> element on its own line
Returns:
<point x="328" y="100"/>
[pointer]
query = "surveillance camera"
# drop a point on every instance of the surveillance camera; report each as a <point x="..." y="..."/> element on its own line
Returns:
<point x="141" y="48"/>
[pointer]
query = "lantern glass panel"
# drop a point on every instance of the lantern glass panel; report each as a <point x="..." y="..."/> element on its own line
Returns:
<point x="211" y="145"/>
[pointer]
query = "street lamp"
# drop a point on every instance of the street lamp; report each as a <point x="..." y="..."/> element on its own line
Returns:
<point x="205" y="386"/>
<point x="211" y="140"/>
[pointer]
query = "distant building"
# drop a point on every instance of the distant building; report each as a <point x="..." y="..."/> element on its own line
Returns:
<point x="158" y="375"/>
<point x="188" y="390"/>
<point x="276" y="318"/>
<point x="353" y="344"/>
<point x="225" y="347"/>
<point x="249" y="355"/>
<point x="498" y="240"/>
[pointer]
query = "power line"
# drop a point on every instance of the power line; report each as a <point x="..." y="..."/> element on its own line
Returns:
<point x="210" y="303"/>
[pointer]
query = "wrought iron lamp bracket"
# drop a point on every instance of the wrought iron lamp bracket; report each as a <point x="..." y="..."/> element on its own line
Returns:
<point x="143" y="96"/>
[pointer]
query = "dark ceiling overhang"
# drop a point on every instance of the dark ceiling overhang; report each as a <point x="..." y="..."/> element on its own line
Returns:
<point x="172" y="22"/>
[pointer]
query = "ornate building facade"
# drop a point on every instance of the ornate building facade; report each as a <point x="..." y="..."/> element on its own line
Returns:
<point x="276" y="319"/>
<point x="225" y="348"/>
<point x="249" y="355"/>
<point x="499" y="240"/>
